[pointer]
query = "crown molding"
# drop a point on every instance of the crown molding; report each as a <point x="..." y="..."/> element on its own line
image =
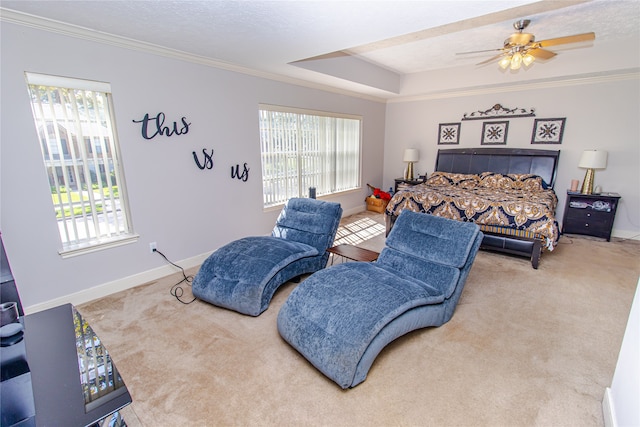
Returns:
<point x="562" y="81"/>
<point x="70" y="30"/>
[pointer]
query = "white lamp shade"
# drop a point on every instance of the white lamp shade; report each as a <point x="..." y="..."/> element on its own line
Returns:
<point x="411" y="155"/>
<point x="593" y="159"/>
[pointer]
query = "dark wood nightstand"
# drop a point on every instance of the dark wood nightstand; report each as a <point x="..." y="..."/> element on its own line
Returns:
<point x="402" y="183"/>
<point x="590" y="214"/>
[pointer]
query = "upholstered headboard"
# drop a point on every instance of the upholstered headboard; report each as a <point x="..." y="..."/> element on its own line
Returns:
<point x="503" y="160"/>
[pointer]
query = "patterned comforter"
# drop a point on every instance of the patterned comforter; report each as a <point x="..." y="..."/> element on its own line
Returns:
<point x="514" y="204"/>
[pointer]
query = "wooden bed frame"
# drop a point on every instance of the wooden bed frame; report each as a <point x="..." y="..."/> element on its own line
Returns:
<point x="503" y="160"/>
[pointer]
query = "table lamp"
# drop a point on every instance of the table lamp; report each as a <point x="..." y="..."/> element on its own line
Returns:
<point x="411" y="155"/>
<point x="591" y="160"/>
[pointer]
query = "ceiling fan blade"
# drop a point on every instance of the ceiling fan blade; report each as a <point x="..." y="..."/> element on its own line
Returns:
<point x="541" y="53"/>
<point x="478" y="51"/>
<point x="567" y="39"/>
<point x="493" y="58"/>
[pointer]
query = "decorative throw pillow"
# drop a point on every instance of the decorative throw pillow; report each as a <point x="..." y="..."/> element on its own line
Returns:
<point x="525" y="181"/>
<point x="456" y="179"/>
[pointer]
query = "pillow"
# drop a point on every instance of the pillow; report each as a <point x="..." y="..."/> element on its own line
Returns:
<point x="456" y="179"/>
<point x="512" y="181"/>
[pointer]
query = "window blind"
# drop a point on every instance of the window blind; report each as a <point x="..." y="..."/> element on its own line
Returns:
<point x="303" y="148"/>
<point x="74" y="122"/>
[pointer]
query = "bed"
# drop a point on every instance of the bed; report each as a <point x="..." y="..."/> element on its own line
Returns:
<point x="508" y="192"/>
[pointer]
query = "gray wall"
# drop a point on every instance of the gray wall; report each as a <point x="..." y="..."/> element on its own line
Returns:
<point x="187" y="211"/>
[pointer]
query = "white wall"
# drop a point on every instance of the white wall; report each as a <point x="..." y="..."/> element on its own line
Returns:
<point x="620" y="402"/>
<point x="187" y="211"/>
<point x="600" y="114"/>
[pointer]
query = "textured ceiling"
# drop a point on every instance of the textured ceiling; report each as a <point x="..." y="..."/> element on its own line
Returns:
<point x="375" y="48"/>
<point x="609" y="20"/>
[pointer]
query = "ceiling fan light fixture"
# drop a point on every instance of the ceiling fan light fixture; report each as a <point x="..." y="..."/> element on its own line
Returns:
<point x="505" y="62"/>
<point x="516" y="61"/>
<point x="528" y="59"/>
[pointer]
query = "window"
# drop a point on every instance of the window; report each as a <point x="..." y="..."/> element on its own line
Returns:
<point x="302" y="149"/>
<point x="75" y="126"/>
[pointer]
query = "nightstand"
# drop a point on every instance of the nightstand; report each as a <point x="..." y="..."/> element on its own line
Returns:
<point x="402" y="183"/>
<point x="590" y="214"/>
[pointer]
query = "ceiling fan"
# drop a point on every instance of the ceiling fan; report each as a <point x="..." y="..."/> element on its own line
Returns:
<point x="521" y="48"/>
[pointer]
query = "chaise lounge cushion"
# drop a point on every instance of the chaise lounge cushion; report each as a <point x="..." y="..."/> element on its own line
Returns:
<point x="442" y="277"/>
<point x="357" y="314"/>
<point x="453" y="243"/>
<point x="238" y="272"/>
<point x="244" y="275"/>
<point x="340" y="318"/>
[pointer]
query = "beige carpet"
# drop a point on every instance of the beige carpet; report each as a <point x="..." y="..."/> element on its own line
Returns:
<point x="525" y="347"/>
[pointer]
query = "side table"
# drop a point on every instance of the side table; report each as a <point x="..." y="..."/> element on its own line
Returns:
<point x="353" y="253"/>
<point x="64" y="370"/>
<point x="590" y="214"/>
<point x="401" y="183"/>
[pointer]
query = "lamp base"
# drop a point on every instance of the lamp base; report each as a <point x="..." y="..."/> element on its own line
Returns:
<point x="409" y="174"/>
<point x="587" y="184"/>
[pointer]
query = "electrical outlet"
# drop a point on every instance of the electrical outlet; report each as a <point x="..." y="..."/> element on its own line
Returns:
<point x="153" y="247"/>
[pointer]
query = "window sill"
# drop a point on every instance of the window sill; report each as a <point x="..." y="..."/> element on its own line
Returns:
<point x="95" y="247"/>
<point x="320" y="197"/>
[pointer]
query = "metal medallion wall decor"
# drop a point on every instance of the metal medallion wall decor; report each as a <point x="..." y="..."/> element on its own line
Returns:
<point x="548" y="131"/>
<point x="545" y="131"/>
<point x="499" y="112"/>
<point x="494" y="133"/>
<point x="449" y="134"/>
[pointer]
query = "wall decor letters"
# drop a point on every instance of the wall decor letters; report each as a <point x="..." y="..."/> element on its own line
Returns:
<point x="207" y="162"/>
<point x="236" y="173"/>
<point x="449" y="133"/>
<point x="494" y="133"/>
<point x="160" y="128"/>
<point x="548" y="131"/>
<point x="498" y="112"/>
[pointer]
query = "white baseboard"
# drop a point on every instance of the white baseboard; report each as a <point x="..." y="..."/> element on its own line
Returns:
<point x="118" y="285"/>
<point x="608" y="410"/>
<point x="624" y="234"/>
<point x="354" y="211"/>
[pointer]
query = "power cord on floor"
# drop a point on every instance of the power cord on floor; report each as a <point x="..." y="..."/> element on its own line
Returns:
<point x="176" y="290"/>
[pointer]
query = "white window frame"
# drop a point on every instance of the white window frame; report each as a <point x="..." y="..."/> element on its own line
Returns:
<point x="83" y="162"/>
<point x="326" y="155"/>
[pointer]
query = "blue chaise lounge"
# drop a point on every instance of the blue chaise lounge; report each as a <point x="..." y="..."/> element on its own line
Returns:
<point x="340" y="318"/>
<point x="244" y="274"/>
